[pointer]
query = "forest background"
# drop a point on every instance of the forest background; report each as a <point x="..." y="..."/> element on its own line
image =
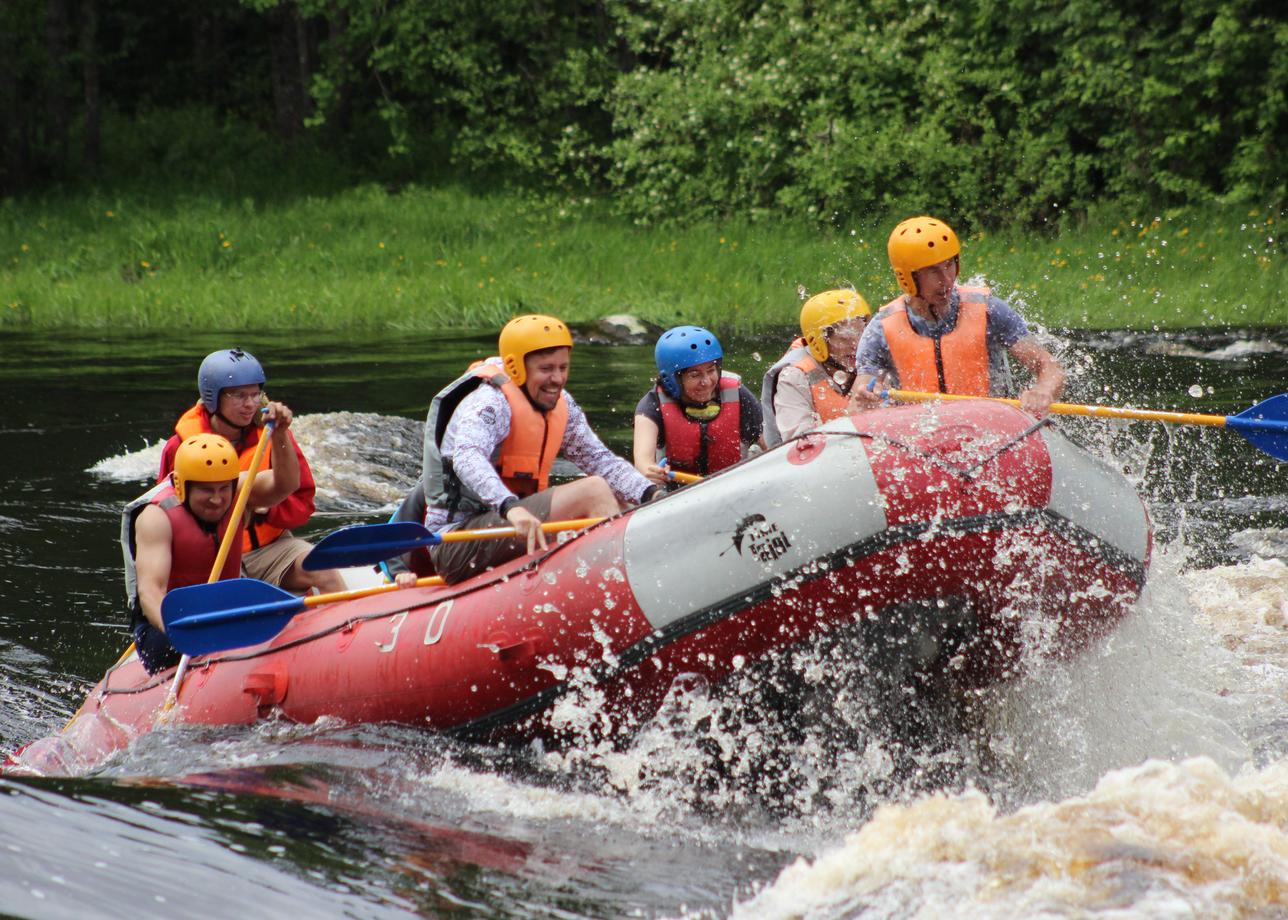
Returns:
<point x="432" y="163"/>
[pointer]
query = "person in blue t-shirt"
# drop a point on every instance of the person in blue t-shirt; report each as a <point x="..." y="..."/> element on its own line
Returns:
<point x="941" y="337"/>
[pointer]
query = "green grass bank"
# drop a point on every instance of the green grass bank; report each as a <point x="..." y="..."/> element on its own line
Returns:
<point x="438" y="258"/>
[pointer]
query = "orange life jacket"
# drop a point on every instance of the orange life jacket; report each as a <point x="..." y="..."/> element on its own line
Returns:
<point x="952" y="363"/>
<point x="197" y="421"/>
<point x="829" y="403"/>
<point x="525" y="457"/>
<point x="523" y="460"/>
<point x="703" y="447"/>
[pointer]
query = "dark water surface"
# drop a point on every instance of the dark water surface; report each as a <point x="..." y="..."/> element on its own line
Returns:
<point x="370" y="821"/>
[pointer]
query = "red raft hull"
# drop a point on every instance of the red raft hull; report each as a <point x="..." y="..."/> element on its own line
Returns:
<point x="964" y="506"/>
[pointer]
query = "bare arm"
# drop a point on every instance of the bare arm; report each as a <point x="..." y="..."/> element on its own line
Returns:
<point x="152" y="561"/>
<point x="1047" y="373"/>
<point x="644" y="449"/>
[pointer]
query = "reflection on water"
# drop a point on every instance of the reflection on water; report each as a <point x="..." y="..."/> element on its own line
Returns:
<point x="1145" y="778"/>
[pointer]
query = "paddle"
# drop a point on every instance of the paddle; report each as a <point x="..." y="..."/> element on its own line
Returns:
<point x="367" y="544"/>
<point x="232" y="533"/>
<point x="238" y="612"/>
<point x="685" y="478"/>
<point x="1264" y="426"/>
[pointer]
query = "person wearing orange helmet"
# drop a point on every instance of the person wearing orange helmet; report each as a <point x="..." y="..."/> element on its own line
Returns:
<point x="941" y="337"/>
<point x="491" y="438"/>
<point x="230" y="387"/>
<point x="810" y="384"/>
<point x="171" y="534"/>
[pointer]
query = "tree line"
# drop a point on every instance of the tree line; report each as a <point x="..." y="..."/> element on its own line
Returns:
<point x="1006" y="110"/>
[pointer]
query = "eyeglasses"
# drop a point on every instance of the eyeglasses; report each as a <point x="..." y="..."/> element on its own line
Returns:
<point x="243" y="395"/>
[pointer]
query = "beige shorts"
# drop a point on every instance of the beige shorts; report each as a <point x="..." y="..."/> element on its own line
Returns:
<point x="459" y="561"/>
<point x="272" y="563"/>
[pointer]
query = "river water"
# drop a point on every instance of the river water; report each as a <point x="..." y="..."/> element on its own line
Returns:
<point x="1147" y="778"/>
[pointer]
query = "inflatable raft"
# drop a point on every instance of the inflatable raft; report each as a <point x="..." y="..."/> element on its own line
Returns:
<point x="1006" y="538"/>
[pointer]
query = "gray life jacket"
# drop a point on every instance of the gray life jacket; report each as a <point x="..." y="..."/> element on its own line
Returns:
<point x="769" y="386"/>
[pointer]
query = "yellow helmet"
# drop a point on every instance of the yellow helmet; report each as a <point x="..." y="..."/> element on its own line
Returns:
<point x="919" y="242"/>
<point x="525" y="334"/>
<point x="204" y="458"/>
<point x="828" y="309"/>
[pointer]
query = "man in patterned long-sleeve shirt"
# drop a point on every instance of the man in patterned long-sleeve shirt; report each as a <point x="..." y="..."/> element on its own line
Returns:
<point x="490" y="440"/>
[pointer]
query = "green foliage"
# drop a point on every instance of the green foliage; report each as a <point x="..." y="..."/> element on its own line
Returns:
<point x="986" y="110"/>
<point x="499" y="87"/>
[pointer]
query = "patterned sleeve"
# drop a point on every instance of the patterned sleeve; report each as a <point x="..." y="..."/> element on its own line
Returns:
<point x="874" y="352"/>
<point x="583" y="447"/>
<point x="479" y="424"/>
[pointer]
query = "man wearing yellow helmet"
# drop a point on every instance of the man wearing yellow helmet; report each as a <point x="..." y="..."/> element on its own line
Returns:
<point x="171" y="534"/>
<point x="811" y="383"/>
<point x="491" y="438"/>
<point x="941" y="337"/>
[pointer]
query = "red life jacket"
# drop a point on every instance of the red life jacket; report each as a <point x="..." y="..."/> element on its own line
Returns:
<point x="952" y="363"/>
<point x="703" y="447"/>
<point x="192" y="548"/>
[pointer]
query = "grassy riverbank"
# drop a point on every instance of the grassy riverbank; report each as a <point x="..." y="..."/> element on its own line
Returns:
<point x="438" y="258"/>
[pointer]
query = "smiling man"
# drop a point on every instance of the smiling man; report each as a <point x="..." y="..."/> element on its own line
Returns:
<point x="230" y="386"/>
<point x="940" y="337"/>
<point x="492" y="436"/>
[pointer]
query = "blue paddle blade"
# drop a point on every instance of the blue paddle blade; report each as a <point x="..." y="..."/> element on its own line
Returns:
<point x="226" y="614"/>
<point x="1264" y="426"/>
<point x="367" y="544"/>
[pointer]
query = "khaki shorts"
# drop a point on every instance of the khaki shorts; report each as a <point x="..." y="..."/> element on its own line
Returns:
<point x="459" y="561"/>
<point x="272" y="563"/>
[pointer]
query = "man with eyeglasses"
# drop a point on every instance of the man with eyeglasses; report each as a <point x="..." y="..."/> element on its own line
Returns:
<point x="230" y="384"/>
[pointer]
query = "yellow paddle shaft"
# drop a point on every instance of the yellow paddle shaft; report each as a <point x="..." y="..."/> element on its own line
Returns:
<point x="225" y="547"/>
<point x="1144" y="415"/>
<point x="315" y="600"/>
<point x="501" y="533"/>
<point x="685" y="478"/>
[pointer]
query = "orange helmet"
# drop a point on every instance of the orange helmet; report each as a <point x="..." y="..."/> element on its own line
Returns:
<point x="204" y="458"/>
<point x="525" y="334"/>
<point x="828" y="309"/>
<point x="917" y="243"/>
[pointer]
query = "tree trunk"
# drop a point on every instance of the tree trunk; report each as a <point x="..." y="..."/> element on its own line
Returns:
<point x="57" y="97"/>
<point x="15" y="140"/>
<point x="290" y="69"/>
<point x="90" y="76"/>
<point x="341" y="117"/>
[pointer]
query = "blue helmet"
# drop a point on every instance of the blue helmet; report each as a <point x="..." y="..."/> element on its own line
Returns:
<point x="681" y="347"/>
<point x="231" y="367"/>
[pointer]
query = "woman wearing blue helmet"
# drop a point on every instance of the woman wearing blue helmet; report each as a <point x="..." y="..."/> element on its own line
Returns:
<point x="700" y="417"/>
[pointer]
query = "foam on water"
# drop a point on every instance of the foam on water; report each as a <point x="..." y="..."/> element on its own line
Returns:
<point x="1159" y="840"/>
<point x="1095" y="803"/>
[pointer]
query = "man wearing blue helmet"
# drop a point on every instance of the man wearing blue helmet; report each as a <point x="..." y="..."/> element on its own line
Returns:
<point x="230" y="385"/>
<point x="702" y="418"/>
